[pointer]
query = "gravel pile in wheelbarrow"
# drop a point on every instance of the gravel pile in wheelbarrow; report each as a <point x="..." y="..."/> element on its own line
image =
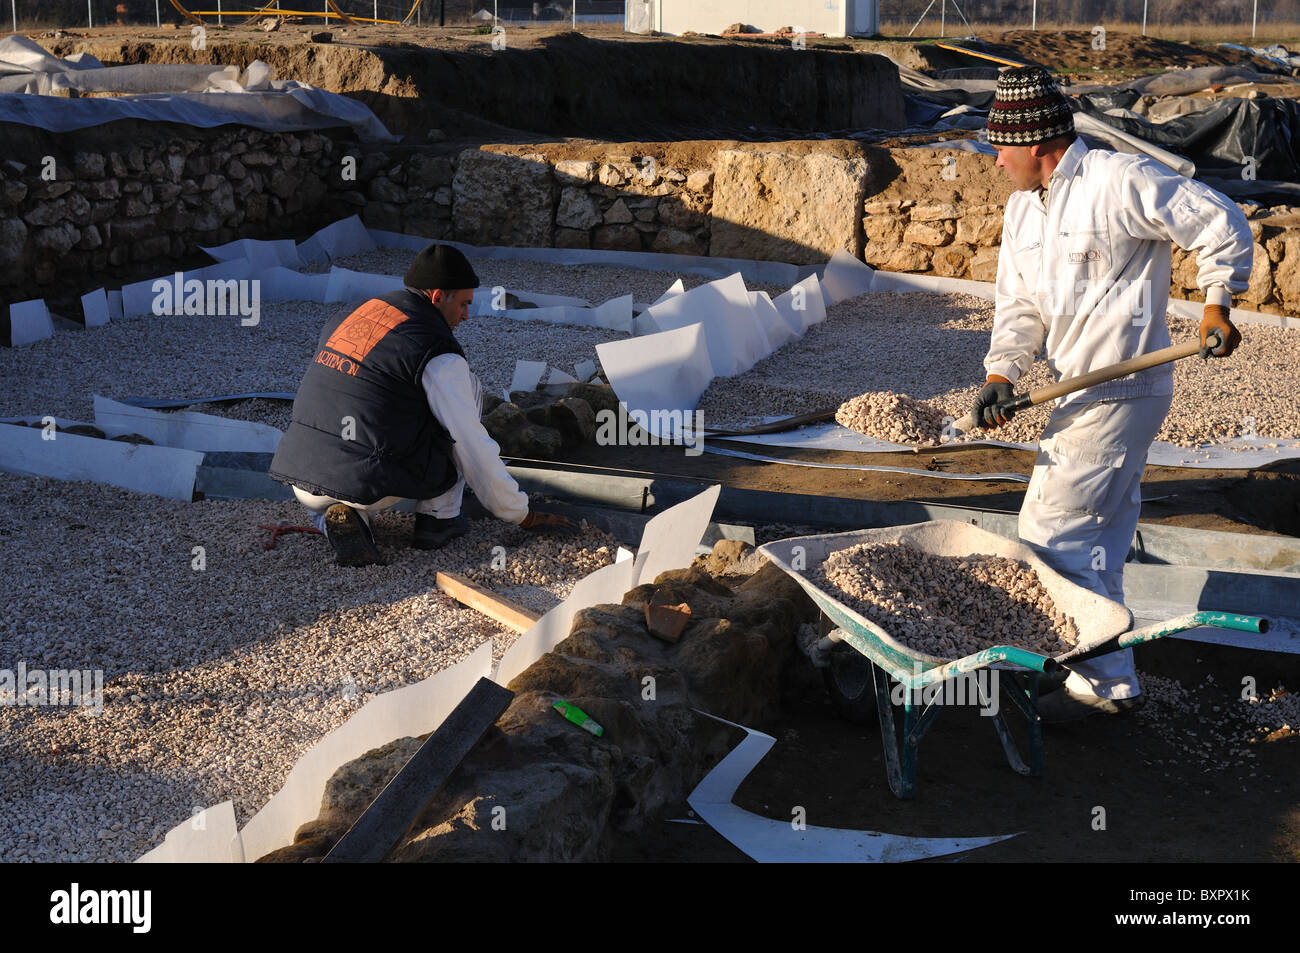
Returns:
<point x="948" y="606"/>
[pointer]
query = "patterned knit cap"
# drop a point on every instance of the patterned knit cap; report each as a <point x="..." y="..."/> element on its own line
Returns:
<point x="1028" y="108"/>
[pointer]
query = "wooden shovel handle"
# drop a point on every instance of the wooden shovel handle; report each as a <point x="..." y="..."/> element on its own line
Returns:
<point x="1052" y="391"/>
<point x="1142" y="362"/>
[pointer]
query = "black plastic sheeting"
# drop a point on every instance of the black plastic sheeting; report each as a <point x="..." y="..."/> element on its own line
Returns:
<point x="1221" y="139"/>
<point x="923" y="108"/>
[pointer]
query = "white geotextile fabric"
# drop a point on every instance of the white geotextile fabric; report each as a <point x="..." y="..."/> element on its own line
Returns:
<point x="668" y="361"/>
<point x="34" y="86"/>
<point x="668" y="541"/>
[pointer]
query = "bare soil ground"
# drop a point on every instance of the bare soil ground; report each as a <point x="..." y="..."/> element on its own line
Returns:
<point x="1164" y="800"/>
<point x="1260" y="501"/>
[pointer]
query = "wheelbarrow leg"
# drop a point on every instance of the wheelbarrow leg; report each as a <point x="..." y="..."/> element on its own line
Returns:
<point x="1026" y="700"/>
<point x="902" y="777"/>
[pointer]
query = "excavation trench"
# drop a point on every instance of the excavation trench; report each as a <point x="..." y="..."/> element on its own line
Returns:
<point x="647" y="90"/>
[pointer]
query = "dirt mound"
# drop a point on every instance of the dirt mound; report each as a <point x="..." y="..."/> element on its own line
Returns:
<point x="689" y="154"/>
<point x="1073" y="50"/>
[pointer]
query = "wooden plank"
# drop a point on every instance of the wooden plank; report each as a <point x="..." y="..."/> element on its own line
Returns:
<point x="510" y="614"/>
<point x="391" y="814"/>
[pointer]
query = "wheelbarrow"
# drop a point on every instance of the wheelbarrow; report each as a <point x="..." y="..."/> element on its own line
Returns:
<point x="865" y="666"/>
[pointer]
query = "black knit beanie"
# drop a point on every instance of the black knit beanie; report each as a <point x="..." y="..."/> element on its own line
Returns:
<point x="440" y="266"/>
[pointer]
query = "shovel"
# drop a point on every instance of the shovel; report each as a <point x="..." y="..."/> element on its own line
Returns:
<point x="1040" y="395"/>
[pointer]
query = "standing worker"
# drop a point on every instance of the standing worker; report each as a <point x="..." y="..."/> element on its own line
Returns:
<point x="1084" y="268"/>
<point x="388" y="410"/>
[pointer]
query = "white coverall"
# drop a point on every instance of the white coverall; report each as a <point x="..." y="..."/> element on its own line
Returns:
<point x="1088" y="275"/>
<point x="456" y="399"/>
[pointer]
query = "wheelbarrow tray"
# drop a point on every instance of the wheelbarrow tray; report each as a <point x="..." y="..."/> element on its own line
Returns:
<point x="1098" y="619"/>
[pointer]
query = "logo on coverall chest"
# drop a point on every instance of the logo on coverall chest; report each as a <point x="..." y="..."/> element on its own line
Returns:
<point x="1083" y="257"/>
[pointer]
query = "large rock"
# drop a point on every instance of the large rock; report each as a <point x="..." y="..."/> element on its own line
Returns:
<point x="539" y="788"/>
<point x="1260" y="289"/>
<point x="884" y="227"/>
<point x="425" y="171"/>
<point x="502" y="419"/>
<point x="616" y="237"/>
<point x="981" y="225"/>
<point x="577" y="209"/>
<point x="984" y="264"/>
<point x="348" y="793"/>
<point x="503" y="200"/>
<point x="942" y="212"/>
<point x="13" y="241"/>
<point x="673" y="241"/>
<point x="572" y="238"/>
<point x="56" y="240"/>
<point x="934" y="233"/>
<point x="951" y="262"/>
<point x="1286" y="278"/>
<point x="532" y="441"/>
<point x="679" y="214"/>
<point x="618" y="213"/>
<point x="575" y="172"/>
<point x="889" y="257"/>
<point x="784" y="207"/>
<point x="598" y="397"/>
<point x="575" y="420"/>
<point x="700" y="180"/>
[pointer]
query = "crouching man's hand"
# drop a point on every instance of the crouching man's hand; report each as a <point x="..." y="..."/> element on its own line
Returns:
<point x="996" y="391"/>
<point x="1216" y="319"/>
<point x="548" y="523"/>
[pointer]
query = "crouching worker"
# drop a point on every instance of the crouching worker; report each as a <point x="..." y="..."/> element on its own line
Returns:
<point x="388" y="410"/>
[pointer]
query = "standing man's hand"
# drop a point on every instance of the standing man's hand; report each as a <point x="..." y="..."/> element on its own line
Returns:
<point x="1216" y="319"/>
<point x="996" y="391"/>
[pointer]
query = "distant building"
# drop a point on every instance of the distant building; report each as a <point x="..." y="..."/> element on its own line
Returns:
<point x="828" y="17"/>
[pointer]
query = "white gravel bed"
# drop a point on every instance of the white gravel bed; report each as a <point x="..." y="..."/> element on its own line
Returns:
<point x="931" y="348"/>
<point x="596" y="283"/>
<point x="215" y="680"/>
<point x="874" y="342"/>
<point x="178" y="357"/>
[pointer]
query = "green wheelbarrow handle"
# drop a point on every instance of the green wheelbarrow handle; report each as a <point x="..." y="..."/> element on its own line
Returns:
<point x="1224" y="620"/>
<point x="1158" y="630"/>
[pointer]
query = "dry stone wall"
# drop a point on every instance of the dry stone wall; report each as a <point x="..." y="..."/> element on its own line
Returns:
<point x="941" y="215"/>
<point x="139" y="205"/>
<point x="80" y="210"/>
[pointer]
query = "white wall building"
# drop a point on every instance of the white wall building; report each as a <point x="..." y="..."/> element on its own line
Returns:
<point x="828" y="17"/>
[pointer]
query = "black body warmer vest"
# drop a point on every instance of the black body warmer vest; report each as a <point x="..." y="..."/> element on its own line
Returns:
<point x="362" y="428"/>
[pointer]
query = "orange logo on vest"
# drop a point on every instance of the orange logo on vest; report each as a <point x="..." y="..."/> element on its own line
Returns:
<point x="337" y="363"/>
<point x="364" y="328"/>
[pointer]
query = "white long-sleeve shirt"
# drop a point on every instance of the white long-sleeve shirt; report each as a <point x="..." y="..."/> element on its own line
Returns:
<point x="456" y="399"/>
<point x="1088" y="274"/>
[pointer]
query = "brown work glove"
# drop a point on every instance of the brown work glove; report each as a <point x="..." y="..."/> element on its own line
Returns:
<point x="997" y="390"/>
<point x="548" y="523"/>
<point x="1216" y="319"/>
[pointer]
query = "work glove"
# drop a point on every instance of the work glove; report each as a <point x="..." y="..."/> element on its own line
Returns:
<point x="1216" y="319"/>
<point x="548" y="524"/>
<point x="996" y="391"/>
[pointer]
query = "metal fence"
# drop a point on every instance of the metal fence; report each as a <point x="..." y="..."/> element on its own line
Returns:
<point x="26" y="15"/>
<point x="1159" y="17"/>
<point x="925" y="18"/>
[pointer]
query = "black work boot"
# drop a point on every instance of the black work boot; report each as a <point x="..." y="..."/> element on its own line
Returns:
<point x="433" y="533"/>
<point x="1066" y="706"/>
<point x="350" y="537"/>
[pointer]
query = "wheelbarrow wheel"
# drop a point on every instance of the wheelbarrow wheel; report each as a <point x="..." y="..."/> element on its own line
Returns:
<point x="850" y="685"/>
